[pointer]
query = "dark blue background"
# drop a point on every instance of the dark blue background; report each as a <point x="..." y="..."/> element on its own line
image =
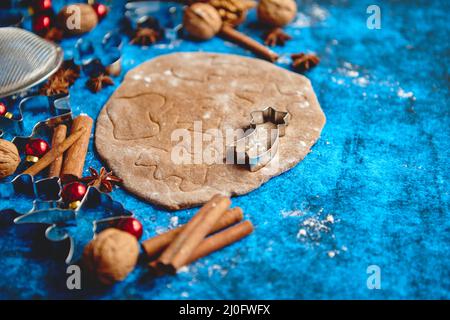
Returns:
<point x="380" y="169"/>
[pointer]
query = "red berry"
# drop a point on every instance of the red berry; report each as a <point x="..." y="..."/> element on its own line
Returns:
<point x="132" y="226"/>
<point x="41" y="23"/>
<point x="3" y="109"/>
<point x="100" y="9"/>
<point x="40" y="5"/>
<point x="36" y="147"/>
<point x="74" y="191"/>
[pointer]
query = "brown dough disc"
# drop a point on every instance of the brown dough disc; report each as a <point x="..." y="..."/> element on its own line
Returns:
<point x="134" y="128"/>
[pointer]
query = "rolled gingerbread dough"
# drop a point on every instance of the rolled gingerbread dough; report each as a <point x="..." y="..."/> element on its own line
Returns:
<point x="135" y="127"/>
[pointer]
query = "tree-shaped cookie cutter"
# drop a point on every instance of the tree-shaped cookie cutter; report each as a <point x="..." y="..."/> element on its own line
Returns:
<point x="253" y="149"/>
<point x="29" y="194"/>
<point x="54" y="105"/>
<point x="58" y="107"/>
<point x="24" y="185"/>
<point x="79" y="226"/>
<point x="39" y="201"/>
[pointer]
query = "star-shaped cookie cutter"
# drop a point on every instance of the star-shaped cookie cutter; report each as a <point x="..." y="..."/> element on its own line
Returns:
<point x="243" y="151"/>
<point x="97" y="210"/>
<point x="57" y="106"/>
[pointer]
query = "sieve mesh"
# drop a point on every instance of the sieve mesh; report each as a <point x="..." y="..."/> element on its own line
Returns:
<point x="25" y="60"/>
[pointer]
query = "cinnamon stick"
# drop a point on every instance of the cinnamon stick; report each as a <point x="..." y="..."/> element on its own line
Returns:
<point x="232" y="34"/>
<point x="59" y="134"/>
<point x="215" y="242"/>
<point x="54" y="153"/>
<point x="75" y="157"/>
<point x="154" y="246"/>
<point x="181" y="248"/>
<point x="221" y="240"/>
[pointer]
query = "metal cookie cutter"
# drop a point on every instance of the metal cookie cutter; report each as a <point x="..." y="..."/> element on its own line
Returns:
<point x="57" y="106"/>
<point x="11" y="18"/>
<point x="257" y="148"/>
<point x="106" y="58"/>
<point x="143" y="14"/>
<point x="96" y="211"/>
<point x="170" y="14"/>
<point x="24" y="194"/>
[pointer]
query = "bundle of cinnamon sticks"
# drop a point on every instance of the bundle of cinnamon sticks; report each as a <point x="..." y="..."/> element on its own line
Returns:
<point x="213" y="227"/>
<point x="67" y="155"/>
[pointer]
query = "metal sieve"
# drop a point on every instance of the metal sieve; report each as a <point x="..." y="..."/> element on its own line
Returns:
<point x="25" y="60"/>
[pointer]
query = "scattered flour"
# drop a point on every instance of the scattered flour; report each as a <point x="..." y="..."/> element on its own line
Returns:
<point x="316" y="230"/>
<point x="173" y="222"/>
<point x="294" y="213"/>
<point x="319" y="13"/>
<point x="361" y="81"/>
<point x="217" y="268"/>
<point x="301" y="21"/>
<point x="405" y="94"/>
<point x="313" y="14"/>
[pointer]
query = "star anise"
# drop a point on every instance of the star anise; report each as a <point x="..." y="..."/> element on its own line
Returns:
<point x="103" y="180"/>
<point x="95" y="84"/>
<point x="69" y="75"/>
<point x="276" y="37"/>
<point x="54" y="86"/>
<point x="60" y="82"/>
<point x="69" y="71"/>
<point x="54" y="34"/>
<point x="145" y="36"/>
<point x="303" y="62"/>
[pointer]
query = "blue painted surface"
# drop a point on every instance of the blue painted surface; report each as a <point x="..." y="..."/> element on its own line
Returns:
<point x="380" y="169"/>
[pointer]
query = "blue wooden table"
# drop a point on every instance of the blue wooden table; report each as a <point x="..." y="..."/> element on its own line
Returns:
<point x="373" y="195"/>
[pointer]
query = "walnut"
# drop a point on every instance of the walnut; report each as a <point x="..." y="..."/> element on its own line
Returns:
<point x="276" y="13"/>
<point x="111" y="256"/>
<point x="76" y="19"/>
<point x="233" y="12"/>
<point x="202" y="21"/>
<point x="9" y="158"/>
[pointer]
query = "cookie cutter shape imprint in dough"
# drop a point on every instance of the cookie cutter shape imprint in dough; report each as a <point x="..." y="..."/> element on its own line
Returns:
<point x="255" y="150"/>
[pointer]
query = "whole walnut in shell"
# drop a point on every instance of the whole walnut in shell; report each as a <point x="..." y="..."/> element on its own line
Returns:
<point x="233" y="12"/>
<point x="111" y="256"/>
<point x="276" y="13"/>
<point x="9" y="158"/>
<point x="76" y="19"/>
<point x="202" y="21"/>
